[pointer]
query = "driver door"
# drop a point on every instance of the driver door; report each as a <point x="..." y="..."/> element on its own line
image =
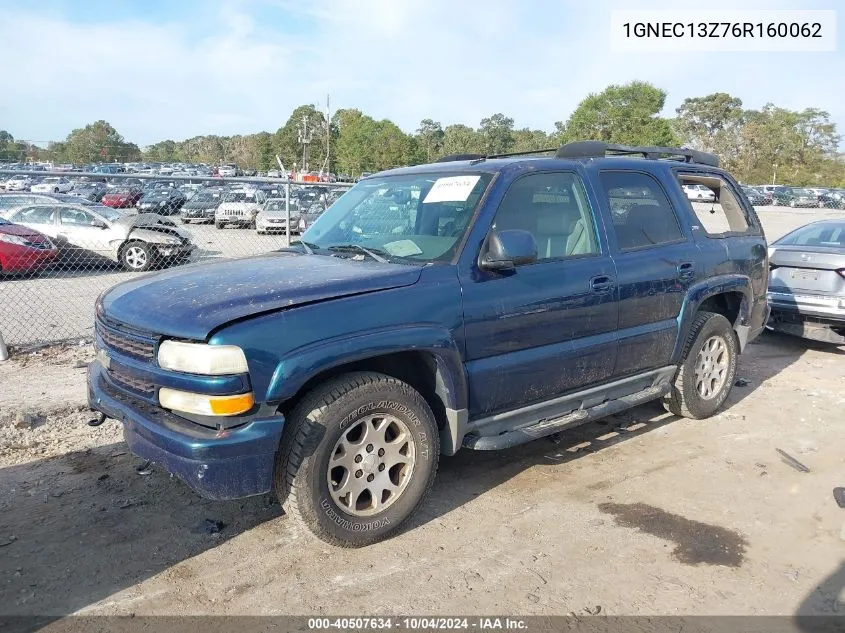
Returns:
<point x="82" y="233"/>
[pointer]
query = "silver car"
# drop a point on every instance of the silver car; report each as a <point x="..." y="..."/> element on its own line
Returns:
<point x="273" y="217"/>
<point x="807" y="282"/>
<point x="89" y="233"/>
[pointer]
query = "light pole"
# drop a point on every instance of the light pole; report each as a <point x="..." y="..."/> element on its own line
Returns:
<point x="774" y="172"/>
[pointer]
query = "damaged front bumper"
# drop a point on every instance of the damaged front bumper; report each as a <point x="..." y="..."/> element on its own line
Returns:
<point x="217" y="464"/>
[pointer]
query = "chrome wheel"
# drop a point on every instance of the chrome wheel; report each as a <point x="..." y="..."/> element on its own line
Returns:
<point x="136" y="257"/>
<point x="711" y="367"/>
<point x="371" y="464"/>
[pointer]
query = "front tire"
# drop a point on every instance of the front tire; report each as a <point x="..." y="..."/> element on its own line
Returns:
<point x="136" y="257"/>
<point x="707" y="372"/>
<point x="219" y="225"/>
<point x="358" y="457"/>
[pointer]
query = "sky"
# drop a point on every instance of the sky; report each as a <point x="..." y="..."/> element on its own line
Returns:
<point x="158" y="69"/>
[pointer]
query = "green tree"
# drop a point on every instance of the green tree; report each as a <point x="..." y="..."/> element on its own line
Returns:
<point x="430" y="137"/>
<point x="712" y="123"/>
<point x="164" y="151"/>
<point x="462" y="139"/>
<point x="287" y="144"/>
<point x="526" y="140"/>
<point x="98" y="142"/>
<point x="497" y="133"/>
<point x="627" y="114"/>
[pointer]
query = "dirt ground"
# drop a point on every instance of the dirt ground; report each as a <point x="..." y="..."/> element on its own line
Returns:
<point x="641" y="513"/>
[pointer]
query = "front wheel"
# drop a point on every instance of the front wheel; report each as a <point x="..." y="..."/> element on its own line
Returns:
<point x="219" y="225"/>
<point x="358" y="457"/>
<point x="707" y="372"/>
<point x="136" y="256"/>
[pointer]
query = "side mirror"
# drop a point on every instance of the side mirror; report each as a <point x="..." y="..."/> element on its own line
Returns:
<point x="98" y="224"/>
<point x="508" y="249"/>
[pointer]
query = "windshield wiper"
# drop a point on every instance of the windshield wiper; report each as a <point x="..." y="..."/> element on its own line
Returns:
<point x="308" y="248"/>
<point x="375" y="254"/>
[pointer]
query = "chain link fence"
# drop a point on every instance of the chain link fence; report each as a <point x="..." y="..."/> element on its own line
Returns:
<point x="67" y="237"/>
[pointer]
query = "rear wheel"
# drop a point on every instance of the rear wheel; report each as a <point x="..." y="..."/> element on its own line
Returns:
<point x="219" y="225"/>
<point x="358" y="457"/>
<point x="707" y="372"/>
<point x="136" y="256"/>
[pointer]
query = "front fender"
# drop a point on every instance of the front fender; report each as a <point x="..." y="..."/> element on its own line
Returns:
<point x="304" y="363"/>
<point x="700" y="292"/>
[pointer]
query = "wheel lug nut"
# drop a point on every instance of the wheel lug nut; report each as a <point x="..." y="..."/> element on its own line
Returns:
<point x="381" y="452"/>
<point x="381" y="467"/>
<point x="359" y="473"/>
<point x="369" y="448"/>
<point x="370" y="477"/>
<point x="358" y="459"/>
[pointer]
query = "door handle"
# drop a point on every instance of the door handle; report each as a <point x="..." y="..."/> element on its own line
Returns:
<point x="601" y="284"/>
<point x="686" y="271"/>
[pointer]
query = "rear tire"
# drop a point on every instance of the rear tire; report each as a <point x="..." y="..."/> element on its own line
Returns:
<point x="219" y="225"/>
<point x="708" y="369"/>
<point x="358" y="443"/>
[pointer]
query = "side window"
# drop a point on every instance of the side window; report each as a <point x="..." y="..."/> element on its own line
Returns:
<point x="642" y="215"/>
<point x="74" y="217"/>
<point x="717" y="208"/>
<point x="554" y="208"/>
<point x="34" y="215"/>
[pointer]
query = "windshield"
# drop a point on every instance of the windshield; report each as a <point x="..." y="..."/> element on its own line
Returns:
<point x="109" y="214"/>
<point x="239" y="196"/>
<point x="206" y="197"/>
<point x="420" y="217"/>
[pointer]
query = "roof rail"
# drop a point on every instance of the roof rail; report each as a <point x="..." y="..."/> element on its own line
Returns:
<point x="455" y="157"/>
<point x="596" y="149"/>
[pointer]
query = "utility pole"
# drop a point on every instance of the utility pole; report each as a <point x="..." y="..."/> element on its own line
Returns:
<point x="305" y="136"/>
<point x="328" y="165"/>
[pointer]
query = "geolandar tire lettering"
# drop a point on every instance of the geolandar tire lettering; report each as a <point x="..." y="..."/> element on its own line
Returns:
<point x="358" y="456"/>
<point x="707" y="370"/>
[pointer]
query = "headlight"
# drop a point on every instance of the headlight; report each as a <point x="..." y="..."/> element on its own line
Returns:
<point x="13" y="239"/>
<point x="199" y="358"/>
<point x="173" y="240"/>
<point x="204" y="405"/>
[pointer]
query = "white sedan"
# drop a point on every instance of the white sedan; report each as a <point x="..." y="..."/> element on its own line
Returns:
<point x="18" y="183"/>
<point x="699" y="193"/>
<point x="53" y="185"/>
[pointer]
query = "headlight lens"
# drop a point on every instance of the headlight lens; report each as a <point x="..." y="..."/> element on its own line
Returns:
<point x="199" y="358"/>
<point x="173" y="240"/>
<point x="203" y="404"/>
<point x="13" y="239"/>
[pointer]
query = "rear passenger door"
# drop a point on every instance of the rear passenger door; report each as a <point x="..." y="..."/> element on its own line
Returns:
<point x="655" y="263"/>
<point x="548" y="327"/>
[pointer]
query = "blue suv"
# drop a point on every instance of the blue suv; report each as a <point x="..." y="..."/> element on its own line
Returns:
<point x="476" y="302"/>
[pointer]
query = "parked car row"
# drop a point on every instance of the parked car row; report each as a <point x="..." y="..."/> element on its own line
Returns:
<point x="40" y="229"/>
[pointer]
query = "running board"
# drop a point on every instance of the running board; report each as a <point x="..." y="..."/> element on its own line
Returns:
<point x="661" y="384"/>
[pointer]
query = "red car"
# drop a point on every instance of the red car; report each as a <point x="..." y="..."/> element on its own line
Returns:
<point x="23" y="250"/>
<point x="122" y="198"/>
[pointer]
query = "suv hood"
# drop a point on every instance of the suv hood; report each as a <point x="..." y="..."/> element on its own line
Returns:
<point x="191" y="301"/>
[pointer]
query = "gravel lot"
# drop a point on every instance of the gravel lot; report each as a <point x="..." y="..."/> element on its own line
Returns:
<point x="641" y="513"/>
<point x="59" y="305"/>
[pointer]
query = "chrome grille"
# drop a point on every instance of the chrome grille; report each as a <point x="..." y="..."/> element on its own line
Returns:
<point x="131" y="382"/>
<point x="126" y="344"/>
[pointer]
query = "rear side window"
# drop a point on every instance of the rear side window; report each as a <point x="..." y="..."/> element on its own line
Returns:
<point x="35" y="215"/>
<point x="717" y="208"/>
<point x="642" y="214"/>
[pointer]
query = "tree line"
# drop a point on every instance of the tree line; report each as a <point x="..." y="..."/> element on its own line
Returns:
<point x="795" y="147"/>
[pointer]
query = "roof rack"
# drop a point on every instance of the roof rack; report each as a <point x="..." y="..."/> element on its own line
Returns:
<point x="449" y="158"/>
<point x="596" y="149"/>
